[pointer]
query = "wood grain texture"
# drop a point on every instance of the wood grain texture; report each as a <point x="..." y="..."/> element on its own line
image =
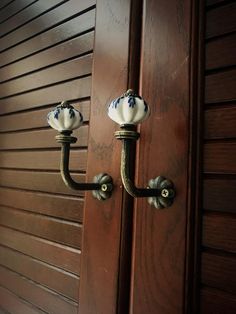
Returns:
<point x="64" y="207"/>
<point x="219" y="231"/>
<point x="43" y="298"/>
<point x="45" y="22"/>
<point x="217" y="302"/>
<point x="160" y="237"/>
<point x="53" y="278"/>
<point x="66" y="50"/>
<point x="75" y="89"/>
<point x="62" y="32"/>
<point x="220" y="158"/>
<point x="49" y="252"/>
<point x="59" y="231"/>
<point x="221" y="20"/>
<point x="16" y="305"/>
<point x="216" y="92"/>
<point x="220" y="122"/>
<point x="219" y="194"/>
<point x="219" y="272"/>
<point x="65" y="71"/>
<point x="102" y="222"/>
<point x="27" y="14"/>
<point x="221" y="52"/>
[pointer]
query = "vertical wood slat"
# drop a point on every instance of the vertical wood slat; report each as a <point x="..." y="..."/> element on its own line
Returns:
<point x="160" y="236"/>
<point x="102" y="222"/>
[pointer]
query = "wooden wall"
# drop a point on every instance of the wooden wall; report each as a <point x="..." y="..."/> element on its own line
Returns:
<point x="218" y="275"/>
<point x="45" y="56"/>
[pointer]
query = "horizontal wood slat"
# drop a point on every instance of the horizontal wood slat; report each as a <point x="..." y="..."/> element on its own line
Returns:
<point x="48" y="160"/>
<point x="63" y="232"/>
<point x="52" y="253"/>
<point x="221" y="20"/>
<point x="38" y="181"/>
<point x="219" y="272"/>
<point x="49" y="276"/>
<point x="14" y="8"/>
<point x="220" y="158"/>
<point x="221" y="52"/>
<point x="66" y="50"/>
<point x="44" y="22"/>
<point x="27" y="14"/>
<point x="3" y="3"/>
<point x="219" y="231"/>
<point x="36" y="119"/>
<point x="217" y="302"/>
<point x="65" y="207"/>
<point x="216" y="92"/>
<point x="220" y="195"/>
<point x="39" y="139"/>
<point x="16" y="305"/>
<point x="75" y="89"/>
<point x="54" y="74"/>
<point x="41" y="297"/>
<point x="220" y="123"/>
<point x="62" y="32"/>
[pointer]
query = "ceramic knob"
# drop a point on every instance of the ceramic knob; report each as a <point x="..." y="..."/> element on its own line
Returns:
<point x="128" y="109"/>
<point x="65" y="118"/>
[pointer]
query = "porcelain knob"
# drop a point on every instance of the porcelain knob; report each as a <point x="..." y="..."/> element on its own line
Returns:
<point x="128" y="109"/>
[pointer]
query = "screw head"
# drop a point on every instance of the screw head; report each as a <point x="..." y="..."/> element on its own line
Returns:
<point x="165" y="193"/>
<point x="104" y="187"/>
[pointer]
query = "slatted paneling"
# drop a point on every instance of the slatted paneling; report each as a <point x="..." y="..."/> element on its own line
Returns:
<point x="218" y="275"/>
<point x="46" y="53"/>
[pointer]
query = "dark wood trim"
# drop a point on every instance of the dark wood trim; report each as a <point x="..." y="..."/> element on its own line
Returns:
<point x="192" y="287"/>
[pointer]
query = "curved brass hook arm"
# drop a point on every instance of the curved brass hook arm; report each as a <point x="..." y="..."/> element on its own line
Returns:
<point x="102" y="185"/>
<point x="160" y="191"/>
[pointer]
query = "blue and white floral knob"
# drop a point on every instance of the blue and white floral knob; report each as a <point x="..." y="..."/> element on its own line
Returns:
<point x="65" y="118"/>
<point x="128" y="109"/>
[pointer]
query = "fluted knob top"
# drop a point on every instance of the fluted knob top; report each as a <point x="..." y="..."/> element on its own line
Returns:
<point x="65" y="118"/>
<point x="128" y="109"/>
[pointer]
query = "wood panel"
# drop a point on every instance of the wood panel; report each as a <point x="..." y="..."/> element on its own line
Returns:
<point x="14" y="8"/>
<point x="218" y="271"/>
<point x="220" y="158"/>
<point x="217" y="92"/>
<point x="99" y="289"/>
<point x="75" y="89"/>
<point x="39" y="139"/>
<point x="15" y="304"/>
<point x="38" y="181"/>
<point x="219" y="194"/>
<point x="37" y="8"/>
<point x="45" y="22"/>
<point x="60" y="33"/>
<point x="221" y="20"/>
<point x="160" y="237"/>
<point x="47" y="160"/>
<point x="213" y="301"/>
<point x="66" y="50"/>
<point x="41" y="297"/>
<point x="219" y="231"/>
<point x="37" y="119"/>
<point x="220" y="122"/>
<point x="47" y="251"/>
<point x="5" y="3"/>
<point x="68" y="70"/>
<point x="221" y="52"/>
<point x="62" y="282"/>
<point x="68" y="233"/>
<point x="67" y="207"/>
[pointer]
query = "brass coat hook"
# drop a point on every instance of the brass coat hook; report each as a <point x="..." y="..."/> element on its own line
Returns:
<point x="65" y="118"/>
<point x="129" y="110"/>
